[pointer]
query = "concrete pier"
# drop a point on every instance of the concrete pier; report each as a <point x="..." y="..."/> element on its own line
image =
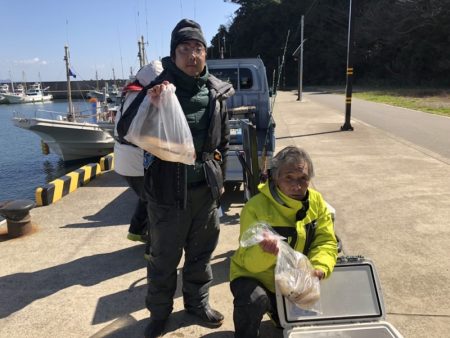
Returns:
<point x="77" y="275"/>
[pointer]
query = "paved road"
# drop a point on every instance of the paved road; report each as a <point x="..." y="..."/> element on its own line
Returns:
<point x="426" y="130"/>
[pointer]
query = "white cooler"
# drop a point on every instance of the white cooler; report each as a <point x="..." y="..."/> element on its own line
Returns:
<point x="352" y="306"/>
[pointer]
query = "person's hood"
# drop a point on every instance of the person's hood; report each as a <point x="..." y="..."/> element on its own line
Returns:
<point x="149" y="72"/>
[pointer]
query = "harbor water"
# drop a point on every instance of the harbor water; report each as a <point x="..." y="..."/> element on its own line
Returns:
<point x="23" y="166"/>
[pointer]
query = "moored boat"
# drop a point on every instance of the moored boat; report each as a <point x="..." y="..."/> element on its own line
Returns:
<point x="34" y="94"/>
<point x="4" y="89"/>
<point x="70" y="140"/>
<point x="73" y="135"/>
<point x="110" y="94"/>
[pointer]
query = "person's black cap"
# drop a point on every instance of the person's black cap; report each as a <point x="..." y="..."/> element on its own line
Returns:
<point x="186" y="30"/>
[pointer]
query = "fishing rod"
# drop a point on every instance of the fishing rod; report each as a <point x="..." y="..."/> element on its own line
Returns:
<point x="264" y="174"/>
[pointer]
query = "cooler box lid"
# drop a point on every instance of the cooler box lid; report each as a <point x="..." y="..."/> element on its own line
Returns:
<point x="352" y="294"/>
<point x="379" y="329"/>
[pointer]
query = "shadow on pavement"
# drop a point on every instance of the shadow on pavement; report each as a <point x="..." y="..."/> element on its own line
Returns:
<point x="232" y="198"/>
<point x="126" y="326"/>
<point x="313" y="134"/>
<point x="127" y="301"/>
<point x="21" y="289"/>
<point x="120" y="210"/>
<point x="117" y="212"/>
<point x="123" y="327"/>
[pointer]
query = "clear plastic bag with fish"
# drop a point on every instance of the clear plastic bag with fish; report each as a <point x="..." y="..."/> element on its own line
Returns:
<point x="160" y="127"/>
<point x="294" y="274"/>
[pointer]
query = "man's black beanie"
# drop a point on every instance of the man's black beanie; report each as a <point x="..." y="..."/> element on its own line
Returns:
<point x="186" y="30"/>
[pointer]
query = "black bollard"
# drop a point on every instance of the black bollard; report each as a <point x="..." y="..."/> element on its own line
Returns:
<point x="17" y="215"/>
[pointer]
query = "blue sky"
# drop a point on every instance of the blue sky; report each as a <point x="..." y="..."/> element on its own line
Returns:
<point x="101" y="34"/>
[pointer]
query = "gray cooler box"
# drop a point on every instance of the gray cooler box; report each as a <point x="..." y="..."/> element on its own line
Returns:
<point x="352" y="306"/>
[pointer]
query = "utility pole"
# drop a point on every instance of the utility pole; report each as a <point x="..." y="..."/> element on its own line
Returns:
<point x="300" y="97"/>
<point x="298" y="53"/>
<point x="222" y="48"/>
<point x="348" y="91"/>
<point x="218" y="46"/>
<point x="300" y="75"/>
<point x="224" y="44"/>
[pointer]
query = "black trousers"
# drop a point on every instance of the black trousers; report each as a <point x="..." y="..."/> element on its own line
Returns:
<point x="139" y="220"/>
<point x="251" y="301"/>
<point x="195" y="231"/>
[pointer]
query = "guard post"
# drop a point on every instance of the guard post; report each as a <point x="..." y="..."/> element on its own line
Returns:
<point x="348" y="91"/>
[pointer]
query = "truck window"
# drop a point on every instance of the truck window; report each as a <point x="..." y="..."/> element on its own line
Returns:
<point x="246" y="79"/>
<point x="226" y="74"/>
<point x="230" y="75"/>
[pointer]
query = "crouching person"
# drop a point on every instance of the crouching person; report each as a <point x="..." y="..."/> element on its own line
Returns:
<point x="290" y="206"/>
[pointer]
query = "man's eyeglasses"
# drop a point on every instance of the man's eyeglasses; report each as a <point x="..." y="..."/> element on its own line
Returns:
<point x="188" y="50"/>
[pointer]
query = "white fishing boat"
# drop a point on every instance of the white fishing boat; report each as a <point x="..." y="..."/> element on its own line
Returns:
<point x="33" y="94"/>
<point x="110" y="94"/>
<point x="72" y="135"/>
<point x="14" y="95"/>
<point x="4" y="89"/>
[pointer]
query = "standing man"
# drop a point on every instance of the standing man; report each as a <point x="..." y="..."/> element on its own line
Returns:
<point x="183" y="200"/>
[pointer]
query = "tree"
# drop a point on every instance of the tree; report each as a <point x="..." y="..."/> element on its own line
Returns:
<point x="396" y="41"/>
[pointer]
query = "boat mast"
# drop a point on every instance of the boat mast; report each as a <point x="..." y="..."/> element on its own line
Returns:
<point x="24" y="81"/>
<point x="69" y="90"/>
<point x="114" y="77"/>
<point x="40" y="83"/>
<point x="12" y="83"/>
<point x="141" y="54"/>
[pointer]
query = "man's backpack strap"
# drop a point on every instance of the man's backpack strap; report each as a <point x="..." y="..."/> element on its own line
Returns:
<point x="127" y="117"/>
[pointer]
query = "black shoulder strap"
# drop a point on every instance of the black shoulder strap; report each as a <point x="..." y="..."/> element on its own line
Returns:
<point x="127" y="117"/>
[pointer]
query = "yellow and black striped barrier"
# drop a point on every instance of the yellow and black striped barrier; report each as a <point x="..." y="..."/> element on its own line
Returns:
<point x="56" y="189"/>
<point x="107" y="162"/>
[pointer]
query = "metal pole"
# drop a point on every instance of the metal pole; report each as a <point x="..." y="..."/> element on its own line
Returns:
<point x="218" y="46"/>
<point x="300" y="64"/>
<point x="348" y="92"/>
<point x="69" y="89"/>
<point x="144" y="55"/>
<point x="141" y="55"/>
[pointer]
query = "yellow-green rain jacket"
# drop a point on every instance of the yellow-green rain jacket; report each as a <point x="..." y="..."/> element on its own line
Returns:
<point x="254" y="262"/>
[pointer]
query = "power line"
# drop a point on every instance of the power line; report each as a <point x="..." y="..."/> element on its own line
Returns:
<point x="306" y="13"/>
<point x="310" y="8"/>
